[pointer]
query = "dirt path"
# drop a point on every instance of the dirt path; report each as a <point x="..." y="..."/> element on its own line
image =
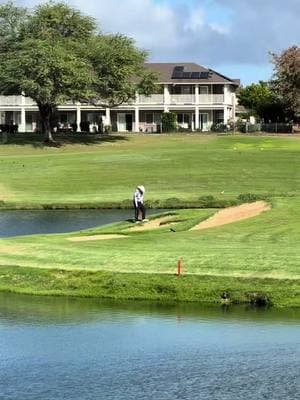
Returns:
<point x="95" y="237"/>
<point x="233" y="214"/>
<point x="154" y="224"/>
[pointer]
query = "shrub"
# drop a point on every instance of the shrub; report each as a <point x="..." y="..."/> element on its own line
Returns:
<point x="249" y="197"/>
<point x="258" y="299"/>
<point x="84" y="126"/>
<point x="219" y="128"/>
<point x="249" y="128"/>
<point x="169" y="121"/>
<point x="181" y="129"/>
<point x="107" y="129"/>
<point x="74" y="127"/>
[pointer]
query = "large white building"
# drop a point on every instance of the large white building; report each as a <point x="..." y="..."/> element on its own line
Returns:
<point x="199" y="96"/>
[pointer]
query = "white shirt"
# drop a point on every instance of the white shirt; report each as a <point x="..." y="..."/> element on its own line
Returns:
<point x="138" y="197"/>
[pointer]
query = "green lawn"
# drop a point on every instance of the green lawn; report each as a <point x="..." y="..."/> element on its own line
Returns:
<point x="259" y="254"/>
<point x="180" y="166"/>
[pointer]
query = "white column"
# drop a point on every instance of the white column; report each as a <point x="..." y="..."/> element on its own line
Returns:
<point x="167" y="99"/>
<point x="227" y="98"/>
<point x="137" y="119"/>
<point x="197" y="95"/>
<point x="107" y="116"/>
<point x="78" y="117"/>
<point x="225" y="115"/>
<point x="233" y="106"/>
<point x="22" y="127"/>
<point x="196" y="117"/>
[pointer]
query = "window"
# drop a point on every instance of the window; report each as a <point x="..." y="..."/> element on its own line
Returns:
<point x="203" y="89"/>
<point x="186" y="90"/>
<point x="219" y="117"/>
<point x="183" y="89"/>
<point x="183" y="118"/>
<point x="149" y="118"/>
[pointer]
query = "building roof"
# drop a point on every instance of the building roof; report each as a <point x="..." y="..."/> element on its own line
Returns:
<point x="165" y="72"/>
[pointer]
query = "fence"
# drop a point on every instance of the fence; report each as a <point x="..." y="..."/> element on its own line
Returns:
<point x="277" y="128"/>
<point x="270" y="127"/>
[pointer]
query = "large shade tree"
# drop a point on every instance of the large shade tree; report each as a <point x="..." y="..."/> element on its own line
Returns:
<point x="286" y="79"/>
<point x="55" y="54"/>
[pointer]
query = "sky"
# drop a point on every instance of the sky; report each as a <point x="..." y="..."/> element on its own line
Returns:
<point x="233" y="37"/>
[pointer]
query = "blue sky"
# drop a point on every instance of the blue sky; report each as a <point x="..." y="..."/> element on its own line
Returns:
<point x="233" y="37"/>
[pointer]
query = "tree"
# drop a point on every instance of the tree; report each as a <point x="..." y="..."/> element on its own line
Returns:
<point x="54" y="54"/>
<point x="286" y="79"/>
<point x="261" y="101"/>
<point x="169" y="121"/>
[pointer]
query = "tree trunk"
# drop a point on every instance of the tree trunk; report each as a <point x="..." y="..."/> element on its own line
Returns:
<point x="46" y="111"/>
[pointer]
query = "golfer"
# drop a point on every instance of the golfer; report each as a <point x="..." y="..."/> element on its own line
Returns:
<point x="138" y="204"/>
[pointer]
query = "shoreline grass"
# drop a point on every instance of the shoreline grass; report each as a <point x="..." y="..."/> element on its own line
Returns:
<point x="140" y="286"/>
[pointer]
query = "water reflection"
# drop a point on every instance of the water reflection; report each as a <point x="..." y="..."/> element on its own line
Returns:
<point x="69" y="348"/>
<point x="67" y="310"/>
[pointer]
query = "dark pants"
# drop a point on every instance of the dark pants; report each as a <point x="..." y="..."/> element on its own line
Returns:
<point x="138" y="210"/>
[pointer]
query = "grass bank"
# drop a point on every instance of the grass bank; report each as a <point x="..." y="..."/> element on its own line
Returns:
<point x="156" y="287"/>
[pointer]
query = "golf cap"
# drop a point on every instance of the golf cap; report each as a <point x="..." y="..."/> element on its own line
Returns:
<point x="141" y="188"/>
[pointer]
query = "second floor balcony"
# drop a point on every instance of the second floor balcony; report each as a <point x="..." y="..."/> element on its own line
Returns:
<point x="167" y="99"/>
<point x="175" y="99"/>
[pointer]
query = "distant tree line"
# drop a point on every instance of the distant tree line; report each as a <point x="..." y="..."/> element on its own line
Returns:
<point x="278" y="99"/>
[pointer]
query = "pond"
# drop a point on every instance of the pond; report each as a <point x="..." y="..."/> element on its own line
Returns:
<point x="14" y="223"/>
<point x="65" y="348"/>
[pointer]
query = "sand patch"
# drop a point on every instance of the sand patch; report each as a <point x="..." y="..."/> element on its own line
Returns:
<point x="233" y="214"/>
<point x="11" y="249"/>
<point x="156" y="223"/>
<point x="5" y="193"/>
<point x="95" y="237"/>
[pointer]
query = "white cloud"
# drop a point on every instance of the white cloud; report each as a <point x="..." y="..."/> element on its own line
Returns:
<point x="211" y="32"/>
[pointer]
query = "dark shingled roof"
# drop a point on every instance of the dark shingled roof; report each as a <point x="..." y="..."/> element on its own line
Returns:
<point x="165" y="72"/>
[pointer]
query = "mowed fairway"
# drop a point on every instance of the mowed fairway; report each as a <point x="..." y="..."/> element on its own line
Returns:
<point x="181" y="166"/>
<point x="265" y="247"/>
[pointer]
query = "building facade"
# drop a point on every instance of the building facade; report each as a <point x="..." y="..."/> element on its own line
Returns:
<point x="199" y="96"/>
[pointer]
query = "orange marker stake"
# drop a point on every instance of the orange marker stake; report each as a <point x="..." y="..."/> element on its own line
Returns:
<point x="179" y="267"/>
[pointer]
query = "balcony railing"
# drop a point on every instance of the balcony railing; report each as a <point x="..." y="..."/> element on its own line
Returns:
<point x="18" y="101"/>
<point x="152" y="99"/>
<point x="211" y="98"/>
<point x="29" y="101"/>
<point x="183" y="99"/>
<point x="10" y="100"/>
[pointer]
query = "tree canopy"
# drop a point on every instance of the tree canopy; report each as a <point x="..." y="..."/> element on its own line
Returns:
<point x="54" y="54"/>
<point x="286" y="79"/>
<point x="261" y="101"/>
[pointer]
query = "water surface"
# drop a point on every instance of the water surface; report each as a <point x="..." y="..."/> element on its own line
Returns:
<point x="62" y="348"/>
<point x="14" y="223"/>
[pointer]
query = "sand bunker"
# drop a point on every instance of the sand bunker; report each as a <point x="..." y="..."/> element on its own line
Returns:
<point x="95" y="237"/>
<point x="233" y="214"/>
<point x="154" y="224"/>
